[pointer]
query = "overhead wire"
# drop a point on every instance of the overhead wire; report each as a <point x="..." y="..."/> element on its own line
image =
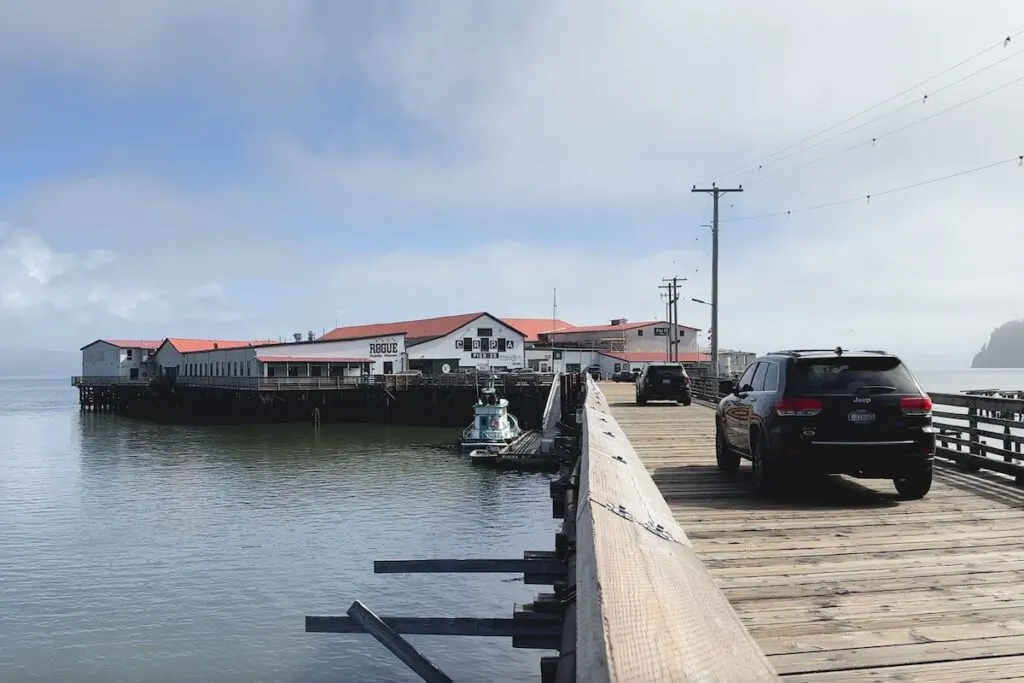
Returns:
<point x="1019" y="160"/>
<point x="907" y="105"/>
<point x="874" y="140"/>
<point x="770" y="158"/>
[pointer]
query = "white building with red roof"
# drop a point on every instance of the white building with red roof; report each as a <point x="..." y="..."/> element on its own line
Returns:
<point x="448" y="343"/>
<point x="618" y="346"/>
<point x="374" y="354"/>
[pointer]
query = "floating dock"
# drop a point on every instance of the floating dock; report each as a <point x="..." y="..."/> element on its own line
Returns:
<point x="524" y="455"/>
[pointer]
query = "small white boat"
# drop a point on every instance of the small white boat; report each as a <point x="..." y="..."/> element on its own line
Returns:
<point x="493" y="427"/>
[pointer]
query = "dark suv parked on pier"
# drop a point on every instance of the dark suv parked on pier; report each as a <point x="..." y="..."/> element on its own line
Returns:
<point x="663" y="382"/>
<point x="859" y="413"/>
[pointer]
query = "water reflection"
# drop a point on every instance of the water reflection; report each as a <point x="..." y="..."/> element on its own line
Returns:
<point x="138" y="551"/>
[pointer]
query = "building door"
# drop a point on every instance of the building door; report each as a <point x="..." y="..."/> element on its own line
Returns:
<point x="389" y="367"/>
<point x="133" y="373"/>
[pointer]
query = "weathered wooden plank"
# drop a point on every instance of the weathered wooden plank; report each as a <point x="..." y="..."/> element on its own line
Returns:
<point x="552" y="416"/>
<point x="646" y="607"/>
<point x="470" y="566"/>
<point x="398" y="645"/>
<point x="542" y="624"/>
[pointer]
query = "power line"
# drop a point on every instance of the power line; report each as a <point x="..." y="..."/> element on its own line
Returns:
<point x="875" y="139"/>
<point x="868" y="197"/>
<point x="768" y="159"/>
<point x="912" y="103"/>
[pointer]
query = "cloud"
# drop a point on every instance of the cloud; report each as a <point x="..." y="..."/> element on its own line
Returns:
<point x="272" y="51"/>
<point x="617" y="111"/>
<point x="540" y="125"/>
<point x="623" y="106"/>
<point x="36" y="280"/>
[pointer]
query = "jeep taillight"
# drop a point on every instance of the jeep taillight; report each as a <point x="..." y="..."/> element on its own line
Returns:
<point x="916" y="406"/>
<point x="798" y="407"/>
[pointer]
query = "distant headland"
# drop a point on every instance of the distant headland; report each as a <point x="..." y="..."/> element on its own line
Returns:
<point x="1004" y="349"/>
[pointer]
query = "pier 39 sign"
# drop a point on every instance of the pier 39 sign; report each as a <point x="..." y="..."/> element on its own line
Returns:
<point x="380" y="349"/>
<point x="484" y="347"/>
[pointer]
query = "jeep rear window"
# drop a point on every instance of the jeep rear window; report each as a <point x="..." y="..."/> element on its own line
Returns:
<point x="658" y="370"/>
<point x="846" y="375"/>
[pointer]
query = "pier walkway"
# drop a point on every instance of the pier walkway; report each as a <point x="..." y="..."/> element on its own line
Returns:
<point x="837" y="579"/>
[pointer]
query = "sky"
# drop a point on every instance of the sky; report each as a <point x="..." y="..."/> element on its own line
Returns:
<point x="253" y="169"/>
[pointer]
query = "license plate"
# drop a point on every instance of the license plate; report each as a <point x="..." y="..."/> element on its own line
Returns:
<point x="861" y="416"/>
<point x="666" y="381"/>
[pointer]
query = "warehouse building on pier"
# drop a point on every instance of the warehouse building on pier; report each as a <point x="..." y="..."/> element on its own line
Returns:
<point x="447" y="344"/>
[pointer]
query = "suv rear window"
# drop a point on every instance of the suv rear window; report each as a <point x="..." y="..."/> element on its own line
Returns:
<point x="846" y="375"/>
<point x="666" y="370"/>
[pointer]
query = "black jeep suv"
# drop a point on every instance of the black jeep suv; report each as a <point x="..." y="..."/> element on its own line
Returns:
<point x="663" y="382"/>
<point x="859" y="413"/>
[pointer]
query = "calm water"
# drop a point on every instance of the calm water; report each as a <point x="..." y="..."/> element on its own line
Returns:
<point x="139" y="552"/>
<point x="958" y="380"/>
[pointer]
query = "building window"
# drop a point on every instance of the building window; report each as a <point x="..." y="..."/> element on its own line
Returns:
<point x="129" y="356"/>
<point x="501" y="345"/>
<point x="248" y="368"/>
<point x="639" y="333"/>
<point x="480" y="332"/>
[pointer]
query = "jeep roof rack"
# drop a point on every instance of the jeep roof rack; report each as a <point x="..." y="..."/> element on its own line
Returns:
<point x="839" y="351"/>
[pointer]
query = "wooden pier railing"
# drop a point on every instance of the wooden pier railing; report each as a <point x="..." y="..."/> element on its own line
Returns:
<point x="646" y="607"/>
<point x="979" y="430"/>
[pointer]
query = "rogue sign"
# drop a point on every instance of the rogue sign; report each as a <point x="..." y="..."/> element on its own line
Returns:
<point x="383" y="349"/>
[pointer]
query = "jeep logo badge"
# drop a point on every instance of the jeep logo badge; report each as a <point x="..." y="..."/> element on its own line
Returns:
<point x="862" y="399"/>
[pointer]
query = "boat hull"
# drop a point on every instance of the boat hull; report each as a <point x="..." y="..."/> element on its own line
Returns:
<point x="486" y="446"/>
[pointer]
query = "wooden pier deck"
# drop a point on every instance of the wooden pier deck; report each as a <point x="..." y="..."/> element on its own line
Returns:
<point x="837" y="579"/>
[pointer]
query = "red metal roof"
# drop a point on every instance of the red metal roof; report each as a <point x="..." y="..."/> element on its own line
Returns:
<point x="614" y="328"/>
<point x="311" y="359"/>
<point x="655" y="357"/>
<point x="148" y="344"/>
<point x="533" y="327"/>
<point x="200" y="345"/>
<point x="415" y="331"/>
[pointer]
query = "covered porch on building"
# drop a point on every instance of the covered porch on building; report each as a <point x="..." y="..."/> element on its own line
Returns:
<point x="314" y="366"/>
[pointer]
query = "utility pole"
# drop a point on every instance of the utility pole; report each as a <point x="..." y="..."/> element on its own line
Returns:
<point x="672" y="313"/>
<point x="715" y="193"/>
<point x="667" y="298"/>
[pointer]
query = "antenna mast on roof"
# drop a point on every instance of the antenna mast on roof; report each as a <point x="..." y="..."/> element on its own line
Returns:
<point x="554" y="307"/>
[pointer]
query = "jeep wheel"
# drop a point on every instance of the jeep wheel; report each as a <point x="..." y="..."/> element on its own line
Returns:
<point x="640" y="399"/>
<point x="765" y="471"/>
<point x="728" y="460"/>
<point x="686" y="400"/>
<point x="915" y="486"/>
